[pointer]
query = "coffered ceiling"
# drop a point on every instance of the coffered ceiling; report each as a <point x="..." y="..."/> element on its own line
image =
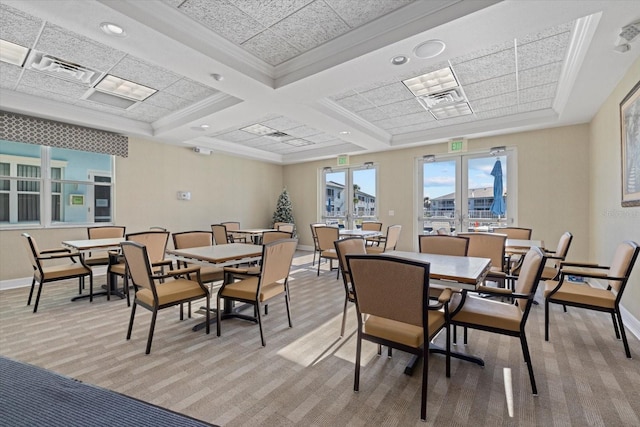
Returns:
<point x="289" y="81"/>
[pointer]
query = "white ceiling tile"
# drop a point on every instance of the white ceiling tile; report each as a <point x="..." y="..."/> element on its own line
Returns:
<point x="388" y="94"/>
<point x="138" y="71"/>
<point x="491" y="87"/>
<point x="167" y="101"/>
<point x="303" y="131"/>
<point x="413" y="128"/>
<point x="281" y="123"/>
<point x="494" y="102"/>
<point x="190" y="90"/>
<point x="355" y="103"/>
<point x="320" y="138"/>
<point x="544" y="51"/>
<point x="373" y="114"/>
<point x="311" y="26"/>
<point x="456" y="120"/>
<point x="10" y="75"/>
<point x="499" y="112"/>
<point x="222" y="18"/>
<point x="147" y="113"/>
<point x="45" y="82"/>
<point x="269" y="47"/>
<point x="563" y="28"/>
<point x="56" y="96"/>
<point x="537" y="93"/>
<point x="18" y="27"/>
<point x="542" y="104"/>
<point x="483" y="52"/>
<point x="537" y="76"/>
<point x="486" y="67"/>
<point x="356" y="13"/>
<point x="269" y="12"/>
<point x="410" y="119"/>
<point x="236" y="136"/>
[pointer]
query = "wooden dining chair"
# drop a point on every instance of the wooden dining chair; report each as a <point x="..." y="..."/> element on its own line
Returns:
<point x="47" y="268"/>
<point x="582" y="295"/>
<point x="396" y="313"/>
<point x="344" y="247"/>
<point x="158" y="291"/>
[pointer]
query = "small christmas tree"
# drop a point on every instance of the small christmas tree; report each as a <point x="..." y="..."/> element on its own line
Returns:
<point x="284" y="210"/>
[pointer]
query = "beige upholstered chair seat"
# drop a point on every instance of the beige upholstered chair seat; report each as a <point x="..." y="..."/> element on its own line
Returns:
<point x="97" y="260"/>
<point x="177" y="290"/>
<point x="401" y="332"/>
<point x="329" y="253"/>
<point x="497" y="272"/>
<point x="581" y="294"/>
<point x="549" y="273"/>
<point x="246" y="289"/>
<point x="60" y="271"/>
<point x="485" y="312"/>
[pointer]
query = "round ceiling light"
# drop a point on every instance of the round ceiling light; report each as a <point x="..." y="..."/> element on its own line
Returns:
<point x="429" y="49"/>
<point x="399" y="60"/>
<point x="113" y="29"/>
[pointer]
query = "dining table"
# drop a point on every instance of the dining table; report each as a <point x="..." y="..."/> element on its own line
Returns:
<point x="357" y="232"/>
<point x="448" y="271"/>
<point x="220" y="256"/>
<point x="85" y="246"/>
<point x="254" y="233"/>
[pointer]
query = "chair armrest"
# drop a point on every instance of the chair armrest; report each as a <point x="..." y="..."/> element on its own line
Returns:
<point x="580" y="264"/>
<point x="594" y="272"/>
<point x="492" y="290"/>
<point x="59" y="256"/>
<point x="553" y="256"/>
<point x="163" y="262"/>
<point x="178" y="272"/>
<point x="55" y="250"/>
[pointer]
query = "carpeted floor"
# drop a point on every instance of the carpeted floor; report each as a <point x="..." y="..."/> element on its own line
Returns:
<point x="304" y="376"/>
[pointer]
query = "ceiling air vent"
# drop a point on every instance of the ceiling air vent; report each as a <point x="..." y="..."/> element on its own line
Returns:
<point x="62" y="69"/>
<point x="440" y="99"/>
<point x="278" y="136"/>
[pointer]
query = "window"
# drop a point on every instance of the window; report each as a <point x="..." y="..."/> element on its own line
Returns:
<point x="43" y="186"/>
<point x="349" y="196"/>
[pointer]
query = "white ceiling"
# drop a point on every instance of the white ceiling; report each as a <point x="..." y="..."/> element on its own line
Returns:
<point x="318" y="71"/>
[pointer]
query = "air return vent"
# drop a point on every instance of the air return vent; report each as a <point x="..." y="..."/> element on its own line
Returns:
<point x="62" y="69"/>
<point x="447" y="97"/>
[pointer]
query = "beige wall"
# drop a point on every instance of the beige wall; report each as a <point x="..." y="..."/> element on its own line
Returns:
<point x="223" y="188"/>
<point x="610" y="223"/>
<point x="553" y="185"/>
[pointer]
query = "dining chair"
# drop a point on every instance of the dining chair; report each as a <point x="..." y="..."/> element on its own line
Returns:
<point x="272" y="281"/>
<point x="45" y="271"/>
<point x="156" y="244"/>
<point x="220" y="234"/>
<point x="314" y="235"/>
<point x="489" y="245"/>
<point x="344" y="247"/>
<point x="195" y="239"/>
<point x="396" y="313"/>
<point x="443" y="245"/>
<point x="326" y="236"/>
<point x="558" y="257"/>
<point x="234" y="237"/>
<point x="498" y="317"/>
<point x="373" y="226"/>
<point x="158" y="291"/>
<point x="102" y="232"/>
<point x="520" y="233"/>
<point x="583" y="295"/>
<point x="284" y="226"/>
<point x="254" y="270"/>
<point x="390" y="241"/>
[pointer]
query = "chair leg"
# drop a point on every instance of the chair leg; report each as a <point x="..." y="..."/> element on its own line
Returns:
<point x="260" y="326"/>
<point x="455" y="335"/>
<point x="448" y="350"/>
<point x="527" y="359"/>
<point x="356" y="380"/>
<point x="218" y="316"/>
<point x="33" y="285"/>
<point x="181" y="311"/>
<point x="286" y="301"/>
<point x="624" y="335"/>
<point x="35" y="306"/>
<point x="319" y="261"/>
<point x="615" y="325"/>
<point x="344" y="317"/>
<point x="133" y="313"/>
<point x="151" y="328"/>
<point x="425" y="376"/>
<point x="91" y="288"/>
<point x="207" y="314"/>
<point x="465" y="335"/>
<point x="546" y="319"/>
<point x="389" y="352"/>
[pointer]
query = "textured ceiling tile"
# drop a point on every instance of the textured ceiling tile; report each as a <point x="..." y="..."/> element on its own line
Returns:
<point x="269" y="47"/>
<point x="373" y="114"/>
<point x="45" y="82"/>
<point x="401" y="108"/>
<point x="236" y="136"/>
<point x="268" y="12"/>
<point x="537" y="76"/>
<point x="303" y="131"/>
<point x="74" y="48"/>
<point x="413" y="128"/>
<point x="281" y="123"/>
<point x="146" y="113"/>
<point x="456" y="120"/>
<point x="537" y="93"/>
<point x="563" y="28"/>
<point x="18" y="27"/>
<point x="223" y="18"/>
<point x="84" y="103"/>
<point x="167" y="101"/>
<point x="46" y="94"/>
<point x="311" y="26"/>
<point x="488" y="88"/>
<point x="174" y="3"/>
<point x="388" y="94"/>
<point x="491" y="114"/>
<point x="544" y="51"/>
<point x="542" y="104"/>
<point x="477" y="54"/>
<point x="486" y="67"/>
<point x="320" y="138"/>
<point x="356" y="13"/>
<point x="188" y="89"/>
<point x="10" y="75"/>
<point x="494" y="102"/>
<point x="138" y="71"/>
<point x="355" y="103"/>
<point x="410" y="119"/>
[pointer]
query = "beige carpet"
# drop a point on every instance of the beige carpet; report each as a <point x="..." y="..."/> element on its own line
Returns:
<point x="304" y="376"/>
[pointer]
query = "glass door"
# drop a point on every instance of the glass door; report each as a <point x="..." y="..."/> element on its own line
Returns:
<point x="468" y="193"/>
<point x="349" y="196"/>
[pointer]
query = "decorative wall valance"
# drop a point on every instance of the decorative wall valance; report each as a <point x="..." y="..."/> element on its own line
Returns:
<point x="32" y="130"/>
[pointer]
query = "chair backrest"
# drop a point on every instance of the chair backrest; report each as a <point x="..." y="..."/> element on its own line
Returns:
<point x="529" y="277"/>
<point x="154" y="241"/>
<point x="105" y="232"/>
<point x="314" y="234"/>
<point x="371" y="226"/>
<point x="231" y="225"/>
<point x="326" y="236"/>
<point x="563" y="245"/>
<point x="32" y="250"/>
<point x="192" y="239"/>
<point x="443" y="245"/>
<point x="220" y="236"/>
<point x="515" y="232"/>
<point x="348" y="246"/>
<point x="623" y="261"/>
<point x="283" y="226"/>
<point x="441" y="227"/>
<point x="393" y="235"/>
<point x="276" y="260"/>
<point x="137" y="260"/>
<point x="389" y="287"/>
<point x="274" y="236"/>
<point x="487" y="245"/>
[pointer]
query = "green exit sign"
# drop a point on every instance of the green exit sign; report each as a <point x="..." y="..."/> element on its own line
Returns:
<point x="343" y="160"/>
<point x="457" y="146"/>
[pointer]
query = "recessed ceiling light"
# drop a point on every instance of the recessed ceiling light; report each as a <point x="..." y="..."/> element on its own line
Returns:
<point x="429" y="49"/>
<point x="345" y="132"/>
<point x="399" y="60"/>
<point x="12" y="53"/>
<point x="113" y="29"/>
<point x="124" y="88"/>
<point x="433" y="82"/>
<point x="451" y="111"/>
<point x="217" y="77"/>
<point x="200" y="128"/>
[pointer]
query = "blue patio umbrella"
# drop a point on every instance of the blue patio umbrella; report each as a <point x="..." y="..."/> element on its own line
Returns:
<point x="497" y="207"/>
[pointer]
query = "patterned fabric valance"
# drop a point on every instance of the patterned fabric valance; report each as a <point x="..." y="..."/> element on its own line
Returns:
<point x="32" y="130"/>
